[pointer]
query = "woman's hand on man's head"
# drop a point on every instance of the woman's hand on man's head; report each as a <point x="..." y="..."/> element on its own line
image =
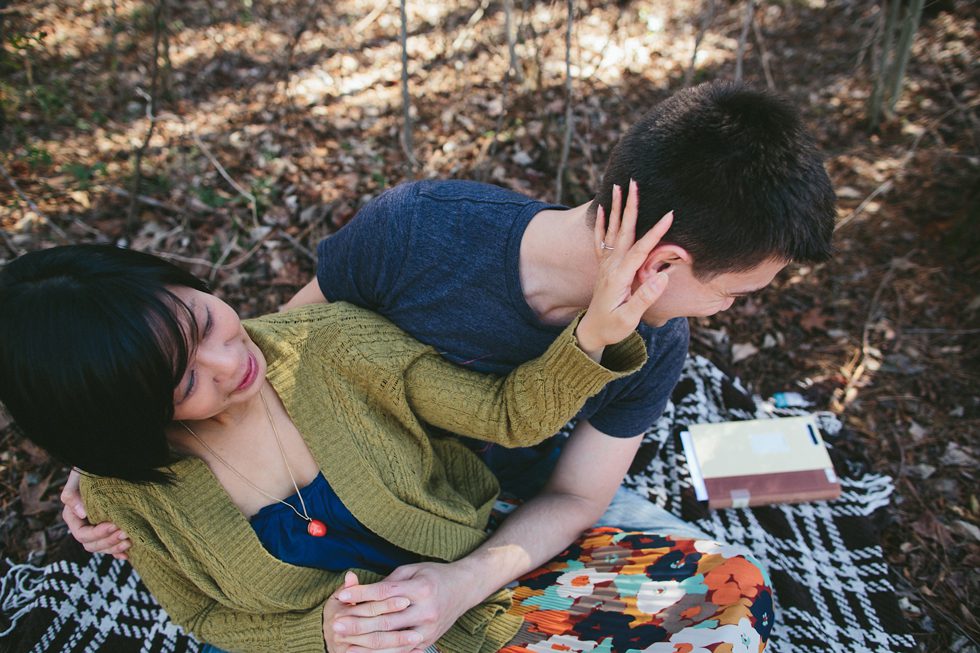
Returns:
<point x="102" y="538"/>
<point x="617" y="303"/>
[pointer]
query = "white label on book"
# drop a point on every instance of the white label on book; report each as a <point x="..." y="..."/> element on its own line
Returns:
<point x="740" y="498"/>
<point x="768" y="443"/>
<point x="831" y="476"/>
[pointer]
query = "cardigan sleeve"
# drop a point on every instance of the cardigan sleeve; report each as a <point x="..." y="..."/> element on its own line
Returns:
<point x="222" y="626"/>
<point x="528" y="405"/>
<point x="186" y="600"/>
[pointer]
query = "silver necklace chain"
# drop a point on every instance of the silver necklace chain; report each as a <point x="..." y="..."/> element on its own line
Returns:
<point x="304" y="515"/>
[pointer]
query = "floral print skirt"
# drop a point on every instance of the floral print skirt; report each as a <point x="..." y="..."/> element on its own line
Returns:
<point x="620" y="592"/>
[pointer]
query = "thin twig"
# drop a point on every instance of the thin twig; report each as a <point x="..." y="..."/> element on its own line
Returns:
<point x="34" y="207"/>
<point x="943" y="332"/>
<point x="952" y="621"/>
<point x="965" y="111"/>
<point x="766" y="68"/>
<point x="884" y="187"/>
<point x="407" y="144"/>
<point x="300" y="247"/>
<point x="707" y="17"/>
<point x="569" y="117"/>
<point x="514" y="67"/>
<point x="854" y="377"/>
<point x="151" y="109"/>
<point x="743" y="38"/>
<point x="224" y="173"/>
<point x="143" y="199"/>
<point x="238" y="262"/>
<point x="301" y="28"/>
<point x="468" y="29"/>
<point x="230" y="245"/>
<point x="9" y="242"/>
<point x="888" y="184"/>
<point x="365" y="22"/>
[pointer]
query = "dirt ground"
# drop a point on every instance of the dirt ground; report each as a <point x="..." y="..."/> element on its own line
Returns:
<point x="267" y="123"/>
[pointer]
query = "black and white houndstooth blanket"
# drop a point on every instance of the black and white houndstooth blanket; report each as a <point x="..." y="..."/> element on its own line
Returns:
<point x="831" y="582"/>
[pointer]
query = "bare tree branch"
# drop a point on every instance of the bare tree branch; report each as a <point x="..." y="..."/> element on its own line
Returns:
<point x="770" y="81"/>
<point x="253" y="204"/>
<point x="468" y="29"/>
<point x="904" y="52"/>
<point x="567" y="140"/>
<point x="515" y="66"/>
<point x="407" y="141"/>
<point x="743" y="38"/>
<point x="287" y="61"/>
<point x="706" y="17"/>
<point x="34" y="207"/>
<point x="151" y="110"/>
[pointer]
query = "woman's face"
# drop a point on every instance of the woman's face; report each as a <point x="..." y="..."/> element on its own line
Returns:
<point x="225" y="369"/>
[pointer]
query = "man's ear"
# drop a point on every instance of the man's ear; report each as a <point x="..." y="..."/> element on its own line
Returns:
<point x="663" y="258"/>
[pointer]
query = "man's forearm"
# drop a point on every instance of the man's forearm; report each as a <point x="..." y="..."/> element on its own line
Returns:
<point x="532" y="535"/>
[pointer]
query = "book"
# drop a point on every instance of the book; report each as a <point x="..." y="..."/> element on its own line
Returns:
<point x="759" y="462"/>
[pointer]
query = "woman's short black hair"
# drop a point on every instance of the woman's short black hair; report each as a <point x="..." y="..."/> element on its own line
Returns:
<point x="92" y="345"/>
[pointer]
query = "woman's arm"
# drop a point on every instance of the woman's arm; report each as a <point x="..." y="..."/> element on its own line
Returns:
<point x="528" y="405"/>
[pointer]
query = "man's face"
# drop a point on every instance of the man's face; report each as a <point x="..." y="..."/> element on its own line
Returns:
<point x="686" y="296"/>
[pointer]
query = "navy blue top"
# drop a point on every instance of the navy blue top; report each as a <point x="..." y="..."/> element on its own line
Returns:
<point x="347" y="544"/>
<point x="441" y="260"/>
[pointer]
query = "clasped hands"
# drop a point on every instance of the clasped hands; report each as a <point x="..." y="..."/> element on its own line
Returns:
<point x="405" y="613"/>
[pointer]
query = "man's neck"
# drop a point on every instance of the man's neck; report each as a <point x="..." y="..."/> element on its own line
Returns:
<point x="557" y="264"/>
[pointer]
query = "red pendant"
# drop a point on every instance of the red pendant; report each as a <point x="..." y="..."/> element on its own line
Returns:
<point x="316" y="528"/>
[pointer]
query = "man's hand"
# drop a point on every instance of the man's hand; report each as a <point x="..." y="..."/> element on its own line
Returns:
<point x="102" y="538"/>
<point x="438" y="593"/>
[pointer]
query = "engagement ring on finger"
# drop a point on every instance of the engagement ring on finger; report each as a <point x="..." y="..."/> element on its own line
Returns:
<point x="603" y="245"/>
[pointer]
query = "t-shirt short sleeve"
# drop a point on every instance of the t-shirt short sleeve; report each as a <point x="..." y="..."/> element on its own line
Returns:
<point x="633" y="404"/>
<point x="361" y="262"/>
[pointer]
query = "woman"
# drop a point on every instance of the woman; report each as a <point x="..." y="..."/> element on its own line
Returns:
<point x="126" y="367"/>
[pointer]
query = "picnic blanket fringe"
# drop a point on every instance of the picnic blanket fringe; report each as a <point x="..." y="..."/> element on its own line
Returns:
<point x="18" y="588"/>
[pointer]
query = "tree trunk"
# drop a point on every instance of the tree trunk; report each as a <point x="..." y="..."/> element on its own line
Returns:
<point x="407" y="140"/>
<point x="743" y="37"/>
<point x="567" y="140"/>
<point x="904" y="51"/>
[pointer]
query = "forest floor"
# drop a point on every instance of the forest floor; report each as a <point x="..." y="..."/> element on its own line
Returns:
<point x="268" y="123"/>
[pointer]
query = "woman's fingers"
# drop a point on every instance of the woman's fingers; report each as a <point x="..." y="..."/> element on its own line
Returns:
<point x="397" y="641"/>
<point x="614" y="218"/>
<point x="104" y="538"/>
<point x="392" y="619"/>
<point x="599" y="230"/>
<point x="627" y="231"/>
<point x="644" y="297"/>
<point x="376" y="608"/>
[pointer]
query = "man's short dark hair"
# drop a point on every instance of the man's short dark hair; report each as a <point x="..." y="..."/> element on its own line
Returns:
<point x="741" y="174"/>
<point x="93" y="343"/>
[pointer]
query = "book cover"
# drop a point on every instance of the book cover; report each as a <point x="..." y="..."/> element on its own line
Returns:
<point x="759" y="462"/>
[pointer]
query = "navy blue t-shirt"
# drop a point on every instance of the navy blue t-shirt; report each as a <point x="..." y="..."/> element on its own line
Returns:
<point x="441" y="260"/>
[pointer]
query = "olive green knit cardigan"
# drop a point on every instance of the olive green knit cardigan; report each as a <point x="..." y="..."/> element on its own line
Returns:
<point x="360" y="392"/>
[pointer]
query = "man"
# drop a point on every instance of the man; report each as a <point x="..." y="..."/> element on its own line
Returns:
<point x="489" y="277"/>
